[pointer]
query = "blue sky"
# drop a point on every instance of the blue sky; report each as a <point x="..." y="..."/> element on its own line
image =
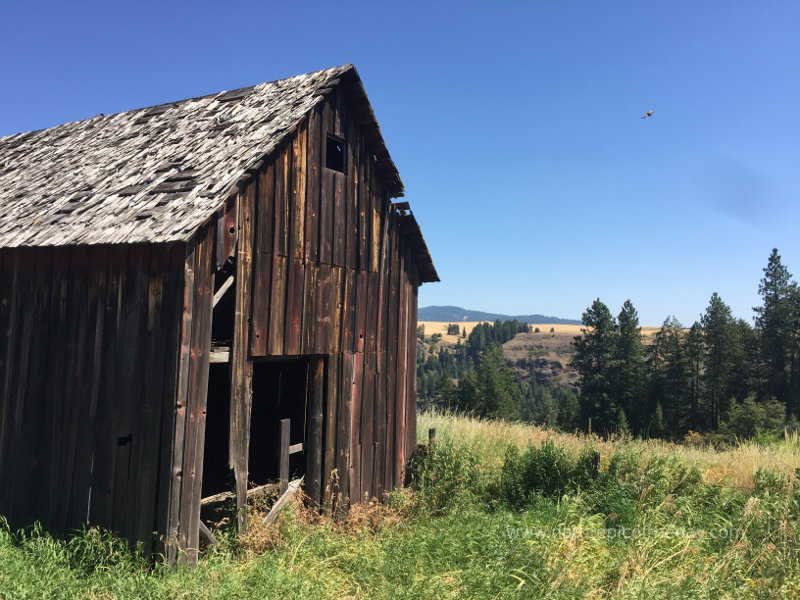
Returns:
<point x="516" y="127"/>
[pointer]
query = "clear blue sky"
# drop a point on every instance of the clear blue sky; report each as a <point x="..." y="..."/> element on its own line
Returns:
<point x="516" y="127"/>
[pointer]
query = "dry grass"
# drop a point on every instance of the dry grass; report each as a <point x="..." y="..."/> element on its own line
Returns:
<point x="370" y="516"/>
<point x="735" y="465"/>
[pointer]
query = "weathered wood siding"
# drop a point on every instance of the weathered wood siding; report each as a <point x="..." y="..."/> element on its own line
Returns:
<point x="102" y="376"/>
<point x="324" y="271"/>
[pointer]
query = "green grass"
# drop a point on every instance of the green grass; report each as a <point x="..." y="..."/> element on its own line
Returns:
<point x="481" y="519"/>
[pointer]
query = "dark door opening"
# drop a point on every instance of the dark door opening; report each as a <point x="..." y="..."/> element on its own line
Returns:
<point x="217" y="476"/>
<point x="280" y="391"/>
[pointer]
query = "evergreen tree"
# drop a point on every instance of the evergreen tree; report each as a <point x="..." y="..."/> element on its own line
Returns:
<point x="594" y="361"/>
<point x="776" y="319"/>
<point x="545" y="413"/>
<point x="630" y="367"/>
<point x="499" y="394"/>
<point x="569" y="412"/>
<point x="668" y="366"/>
<point x="721" y="345"/>
<point x="694" y="360"/>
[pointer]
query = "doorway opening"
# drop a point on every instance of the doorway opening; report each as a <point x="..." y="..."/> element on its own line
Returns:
<point x="217" y="476"/>
<point x="280" y="391"/>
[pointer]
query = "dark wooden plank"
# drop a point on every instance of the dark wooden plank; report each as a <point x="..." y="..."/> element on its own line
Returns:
<point x="107" y="418"/>
<point x="364" y="210"/>
<point x="262" y="297"/>
<point x="277" y="314"/>
<point x="367" y="428"/>
<point x="74" y="386"/>
<point x="362" y="311"/>
<point x="326" y="209"/>
<point x="283" y="446"/>
<point x="377" y="226"/>
<point x="263" y="261"/>
<point x="401" y="367"/>
<point x="7" y="301"/>
<point x="314" y="170"/>
<point x="322" y="342"/>
<point x="330" y="440"/>
<point x="411" y="371"/>
<point x="340" y="223"/>
<point x="337" y="306"/>
<point x="10" y="321"/>
<point x="344" y="426"/>
<point x="198" y="392"/>
<point x="281" y="230"/>
<point x="30" y="310"/>
<point x="348" y="311"/>
<point x="241" y="366"/>
<point x="294" y="306"/>
<point x="351" y="197"/>
<point x="128" y="436"/>
<point x="297" y="246"/>
<point x="265" y="212"/>
<point x="309" y="327"/>
<point x="371" y="325"/>
<point x="172" y="417"/>
<point x="158" y="350"/>
<point x="90" y="349"/>
<point x="316" y="424"/>
<point x="392" y="342"/>
<point x="181" y="408"/>
<point x="354" y="409"/>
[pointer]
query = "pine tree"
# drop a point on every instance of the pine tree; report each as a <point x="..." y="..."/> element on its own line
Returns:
<point x="499" y="395"/>
<point x="545" y="413"/>
<point x="667" y="362"/>
<point x="694" y="360"/>
<point x="774" y="319"/>
<point x="594" y="361"/>
<point x="722" y="346"/>
<point x="630" y="367"/>
<point x="569" y="412"/>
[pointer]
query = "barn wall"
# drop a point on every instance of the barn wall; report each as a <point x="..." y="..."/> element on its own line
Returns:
<point x="323" y="270"/>
<point x="89" y="340"/>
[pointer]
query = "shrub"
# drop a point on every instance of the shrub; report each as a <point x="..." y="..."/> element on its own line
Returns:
<point x="444" y="475"/>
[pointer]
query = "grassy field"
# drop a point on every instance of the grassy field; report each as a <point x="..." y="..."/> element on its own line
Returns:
<point x="493" y="510"/>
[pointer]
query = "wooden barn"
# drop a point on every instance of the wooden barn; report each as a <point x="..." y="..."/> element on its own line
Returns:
<point x="177" y="280"/>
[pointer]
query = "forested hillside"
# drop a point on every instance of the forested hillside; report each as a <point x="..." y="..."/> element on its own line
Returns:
<point x="719" y="376"/>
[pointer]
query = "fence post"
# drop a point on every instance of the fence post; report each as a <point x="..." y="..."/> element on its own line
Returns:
<point x="432" y="437"/>
<point x="595" y="465"/>
<point x="284" y="454"/>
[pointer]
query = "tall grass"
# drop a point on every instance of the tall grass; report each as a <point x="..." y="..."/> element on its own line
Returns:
<point x="493" y="510"/>
<point x="733" y="465"/>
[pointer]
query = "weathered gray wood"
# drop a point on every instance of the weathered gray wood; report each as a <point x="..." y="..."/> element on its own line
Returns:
<point x="285" y="428"/>
<point x="206" y="535"/>
<point x="286" y="496"/>
<point x="220" y="293"/>
<point x="261" y="490"/>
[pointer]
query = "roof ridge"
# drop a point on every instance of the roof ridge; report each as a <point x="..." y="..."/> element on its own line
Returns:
<point x="340" y="68"/>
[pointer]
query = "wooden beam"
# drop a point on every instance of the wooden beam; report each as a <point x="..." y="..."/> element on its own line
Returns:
<point x="207" y="536"/>
<point x="219" y="355"/>
<point x="222" y="289"/>
<point x="291" y="490"/>
<point x="285" y="427"/>
<point x="261" y="490"/>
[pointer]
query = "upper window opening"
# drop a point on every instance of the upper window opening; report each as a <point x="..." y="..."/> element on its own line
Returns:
<point x="334" y="154"/>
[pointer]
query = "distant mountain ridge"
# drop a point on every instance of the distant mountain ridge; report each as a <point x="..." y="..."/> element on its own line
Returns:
<point x="455" y="314"/>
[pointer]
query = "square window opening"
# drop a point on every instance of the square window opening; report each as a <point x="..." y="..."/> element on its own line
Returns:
<point x="334" y="154"/>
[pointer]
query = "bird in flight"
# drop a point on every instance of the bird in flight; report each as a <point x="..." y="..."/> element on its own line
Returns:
<point x="649" y="113"/>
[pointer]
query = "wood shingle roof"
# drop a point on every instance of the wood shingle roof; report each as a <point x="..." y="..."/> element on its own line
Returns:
<point x="154" y="175"/>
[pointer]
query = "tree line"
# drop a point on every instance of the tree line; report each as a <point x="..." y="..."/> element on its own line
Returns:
<point x="721" y="374"/>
